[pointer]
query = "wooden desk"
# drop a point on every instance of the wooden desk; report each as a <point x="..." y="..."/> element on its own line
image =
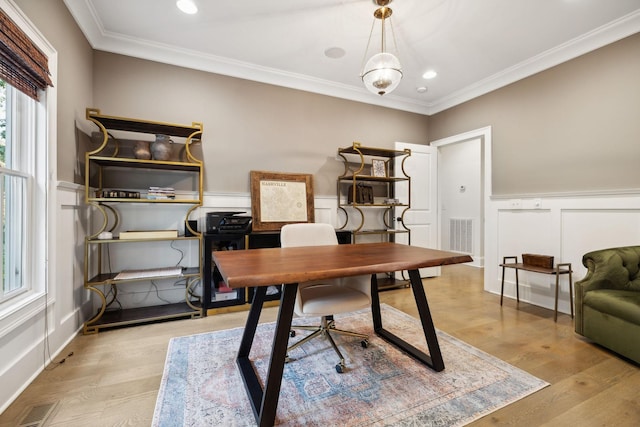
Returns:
<point x="239" y="241"/>
<point x="290" y="266"/>
<point x="562" y="268"/>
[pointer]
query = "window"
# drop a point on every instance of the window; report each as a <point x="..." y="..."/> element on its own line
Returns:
<point x="27" y="145"/>
<point x="17" y="175"/>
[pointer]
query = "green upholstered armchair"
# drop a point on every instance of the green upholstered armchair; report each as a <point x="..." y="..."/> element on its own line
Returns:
<point x="608" y="300"/>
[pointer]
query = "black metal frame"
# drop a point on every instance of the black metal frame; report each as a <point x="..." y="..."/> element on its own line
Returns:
<point x="264" y="402"/>
<point x="434" y="360"/>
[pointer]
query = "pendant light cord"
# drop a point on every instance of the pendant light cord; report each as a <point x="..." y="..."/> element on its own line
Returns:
<point x="364" y="58"/>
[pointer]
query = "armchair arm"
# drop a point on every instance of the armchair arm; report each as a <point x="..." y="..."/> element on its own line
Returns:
<point x="606" y="269"/>
<point x="600" y="275"/>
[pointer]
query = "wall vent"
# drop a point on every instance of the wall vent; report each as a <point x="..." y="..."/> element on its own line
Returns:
<point x="461" y="235"/>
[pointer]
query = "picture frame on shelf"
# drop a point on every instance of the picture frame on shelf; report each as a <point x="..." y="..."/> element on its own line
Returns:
<point x="378" y="168"/>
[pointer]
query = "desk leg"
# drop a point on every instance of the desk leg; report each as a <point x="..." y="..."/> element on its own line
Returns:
<point x="265" y="402"/>
<point x="435" y="360"/>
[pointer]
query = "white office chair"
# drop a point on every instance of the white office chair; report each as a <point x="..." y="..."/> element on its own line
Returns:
<point x="327" y="297"/>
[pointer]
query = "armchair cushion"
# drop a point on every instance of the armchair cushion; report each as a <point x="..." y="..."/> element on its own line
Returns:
<point x="622" y="304"/>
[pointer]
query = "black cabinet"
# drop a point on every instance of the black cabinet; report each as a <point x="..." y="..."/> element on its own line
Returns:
<point x="215" y="292"/>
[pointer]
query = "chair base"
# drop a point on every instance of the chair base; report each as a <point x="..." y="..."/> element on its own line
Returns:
<point x="325" y="329"/>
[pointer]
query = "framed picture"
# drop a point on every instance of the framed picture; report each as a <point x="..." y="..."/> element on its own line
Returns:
<point x="280" y="198"/>
<point x="378" y="168"/>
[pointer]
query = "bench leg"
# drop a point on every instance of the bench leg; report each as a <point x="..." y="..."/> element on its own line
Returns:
<point x="517" y="287"/>
<point x="555" y="313"/>
<point x="502" y="287"/>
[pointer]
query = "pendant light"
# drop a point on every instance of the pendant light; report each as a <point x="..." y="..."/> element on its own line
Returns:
<point x="382" y="72"/>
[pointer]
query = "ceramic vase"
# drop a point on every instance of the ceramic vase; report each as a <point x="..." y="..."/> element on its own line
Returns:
<point x="161" y="148"/>
<point x="141" y="150"/>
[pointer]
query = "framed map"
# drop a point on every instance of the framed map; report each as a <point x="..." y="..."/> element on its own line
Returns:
<point x="280" y="198"/>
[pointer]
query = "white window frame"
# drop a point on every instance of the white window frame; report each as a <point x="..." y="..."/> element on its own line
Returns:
<point x="40" y="155"/>
<point x="18" y="190"/>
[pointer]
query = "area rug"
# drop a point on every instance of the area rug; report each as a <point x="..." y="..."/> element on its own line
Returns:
<point x="382" y="386"/>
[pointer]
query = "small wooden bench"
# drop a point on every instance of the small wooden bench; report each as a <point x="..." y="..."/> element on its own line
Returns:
<point x="559" y="269"/>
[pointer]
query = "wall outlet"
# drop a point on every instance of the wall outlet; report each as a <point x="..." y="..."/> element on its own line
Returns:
<point x="515" y="204"/>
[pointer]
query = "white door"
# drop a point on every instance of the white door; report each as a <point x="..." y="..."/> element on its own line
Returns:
<point x="422" y="217"/>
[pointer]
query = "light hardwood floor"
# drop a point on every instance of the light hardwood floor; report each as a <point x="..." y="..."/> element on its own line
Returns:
<point x="112" y="378"/>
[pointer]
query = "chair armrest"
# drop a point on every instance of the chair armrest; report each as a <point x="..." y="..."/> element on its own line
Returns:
<point x="606" y="269"/>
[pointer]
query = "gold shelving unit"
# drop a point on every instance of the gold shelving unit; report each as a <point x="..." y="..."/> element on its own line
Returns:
<point x="108" y="159"/>
<point x="360" y="171"/>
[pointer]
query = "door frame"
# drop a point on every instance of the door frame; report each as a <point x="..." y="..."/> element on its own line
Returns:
<point x="485" y="136"/>
<point x="433" y="192"/>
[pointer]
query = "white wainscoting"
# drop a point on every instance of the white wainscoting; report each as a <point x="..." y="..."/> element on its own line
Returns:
<point x="27" y="341"/>
<point x="566" y="227"/>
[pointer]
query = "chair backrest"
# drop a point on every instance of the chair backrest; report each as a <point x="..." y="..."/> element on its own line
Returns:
<point x="614" y="268"/>
<point x="307" y="234"/>
<point x="318" y="234"/>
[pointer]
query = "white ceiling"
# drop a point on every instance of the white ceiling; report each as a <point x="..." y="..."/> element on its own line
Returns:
<point x="475" y="45"/>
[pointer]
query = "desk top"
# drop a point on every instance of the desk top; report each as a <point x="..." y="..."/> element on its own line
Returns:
<point x="263" y="267"/>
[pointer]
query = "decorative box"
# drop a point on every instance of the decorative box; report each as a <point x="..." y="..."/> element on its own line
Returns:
<point x="544" y="261"/>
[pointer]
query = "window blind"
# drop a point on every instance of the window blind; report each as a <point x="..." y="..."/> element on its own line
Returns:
<point x="22" y="64"/>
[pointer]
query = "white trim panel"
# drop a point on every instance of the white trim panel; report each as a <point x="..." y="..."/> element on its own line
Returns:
<point x="564" y="227"/>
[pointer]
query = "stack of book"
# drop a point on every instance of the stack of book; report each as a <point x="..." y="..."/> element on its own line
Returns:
<point x="161" y="193"/>
<point x="224" y="293"/>
<point x="148" y="234"/>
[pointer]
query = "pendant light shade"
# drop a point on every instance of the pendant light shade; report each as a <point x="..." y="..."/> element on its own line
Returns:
<point x="382" y="72"/>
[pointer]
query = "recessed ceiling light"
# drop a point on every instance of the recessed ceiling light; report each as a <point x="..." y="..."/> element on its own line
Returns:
<point x="429" y="74"/>
<point x="187" y="6"/>
<point x="334" y="52"/>
<point x="421" y="89"/>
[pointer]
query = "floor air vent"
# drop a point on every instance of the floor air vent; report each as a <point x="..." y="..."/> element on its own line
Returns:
<point x="461" y="235"/>
<point x="37" y="415"/>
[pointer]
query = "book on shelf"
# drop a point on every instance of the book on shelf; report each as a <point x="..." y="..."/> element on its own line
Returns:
<point x="160" y="197"/>
<point x="149" y="273"/>
<point x="222" y="288"/>
<point x="117" y="194"/>
<point x="148" y="234"/>
<point x="225" y="296"/>
<point x="161" y="193"/>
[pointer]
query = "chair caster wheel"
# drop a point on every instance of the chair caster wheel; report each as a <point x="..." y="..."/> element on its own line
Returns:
<point x="340" y="368"/>
<point x="364" y="343"/>
<point x="292" y="334"/>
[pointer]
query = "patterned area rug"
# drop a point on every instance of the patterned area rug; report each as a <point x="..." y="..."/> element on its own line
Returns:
<point x="381" y="386"/>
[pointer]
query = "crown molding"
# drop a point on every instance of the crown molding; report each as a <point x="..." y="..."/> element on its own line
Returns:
<point x="100" y="39"/>
<point x="588" y="42"/>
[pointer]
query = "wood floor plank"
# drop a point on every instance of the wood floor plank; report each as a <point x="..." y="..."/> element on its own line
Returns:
<point x="113" y="377"/>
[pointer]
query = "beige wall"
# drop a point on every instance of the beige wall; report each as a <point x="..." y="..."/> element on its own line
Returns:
<point x="75" y="76"/>
<point x="572" y="128"/>
<point x="248" y="125"/>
